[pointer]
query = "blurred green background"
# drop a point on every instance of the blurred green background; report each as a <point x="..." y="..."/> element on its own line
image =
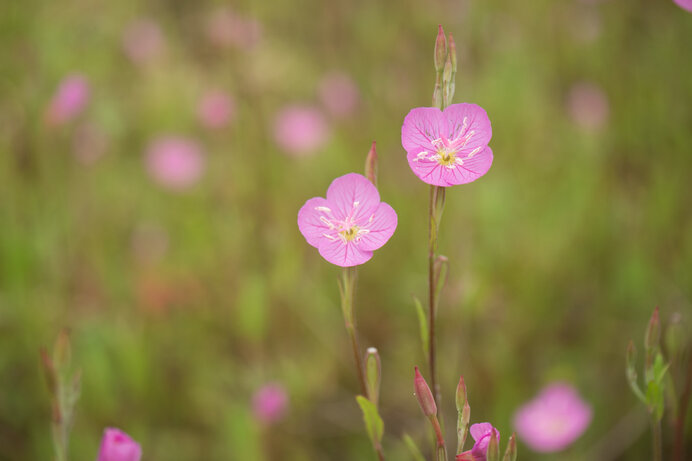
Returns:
<point x="181" y="303"/>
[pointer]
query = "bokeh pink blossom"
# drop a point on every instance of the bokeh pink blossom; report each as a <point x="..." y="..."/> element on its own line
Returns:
<point x="587" y="105"/>
<point x="69" y="100"/>
<point x="215" y="109"/>
<point x="554" y="419"/>
<point x="175" y="162"/>
<point x="300" y="130"/>
<point x="116" y="445"/>
<point x="269" y="403"/>
<point x="339" y="94"/>
<point x="143" y="41"/>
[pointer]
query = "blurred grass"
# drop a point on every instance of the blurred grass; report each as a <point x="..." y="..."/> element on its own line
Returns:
<point x="557" y="256"/>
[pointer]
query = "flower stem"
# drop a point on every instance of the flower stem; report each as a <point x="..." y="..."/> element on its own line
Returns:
<point x="440" y="448"/>
<point x="347" y="286"/>
<point x="658" y="443"/>
<point x="437" y="196"/>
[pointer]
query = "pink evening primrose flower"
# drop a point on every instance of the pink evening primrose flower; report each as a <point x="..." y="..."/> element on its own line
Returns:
<point x="350" y="223"/>
<point x="118" y="446"/>
<point x="481" y="433"/>
<point x="554" y="419"/>
<point x="269" y="403"/>
<point x="175" y="162"/>
<point x="300" y="130"/>
<point x="69" y="100"/>
<point x="448" y="148"/>
<point x="684" y="4"/>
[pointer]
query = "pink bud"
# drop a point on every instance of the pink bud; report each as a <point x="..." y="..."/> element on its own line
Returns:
<point x="440" y="48"/>
<point x="118" y="446"/>
<point x="424" y="396"/>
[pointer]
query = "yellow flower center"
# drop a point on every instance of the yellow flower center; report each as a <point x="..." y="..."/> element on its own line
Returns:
<point x="446" y="158"/>
<point x="350" y="233"/>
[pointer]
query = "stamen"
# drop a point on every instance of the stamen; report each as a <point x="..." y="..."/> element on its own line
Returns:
<point x="323" y="209"/>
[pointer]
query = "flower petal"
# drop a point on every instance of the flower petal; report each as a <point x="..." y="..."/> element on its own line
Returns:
<point x="352" y="191"/>
<point x="343" y="254"/>
<point x="311" y="226"/>
<point x="480" y="429"/>
<point x="381" y="228"/>
<point x="472" y="168"/>
<point x="421" y="126"/>
<point x="428" y="171"/>
<point x="470" y="122"/>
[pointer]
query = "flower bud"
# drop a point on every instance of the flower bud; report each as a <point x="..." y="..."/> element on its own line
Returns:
<point x="511" y="452"/>
<point x="440" y="49"/>
<point x="371" y="165"/>
<point x="493" y="448"/>
<point x="424" y="395"/>
<point x="373" y="374"/>
<point x="118" y="446"/>
<point x="452" y="52"/>
<point x="653" y="332"/>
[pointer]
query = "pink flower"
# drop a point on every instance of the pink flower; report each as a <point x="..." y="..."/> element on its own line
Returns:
<point x="143" y="41"/>
<point x="118" y="446"/>
<point x="339" y="94"/>
<point x="175" y="162"/>
<point x="554" y="419"/>
<point x="269" y="403"/>
<point x="481" y="435"/>
<point x="69" y="100"/>
<point x="215" y="109"/>
<point x="684" y="4"/>
<point x="226" y="28"/>
<point x="448" y="148"/>
<point x="350" y="223"/>
<point x="300" y="130"/>
<point x="587" y="104"/>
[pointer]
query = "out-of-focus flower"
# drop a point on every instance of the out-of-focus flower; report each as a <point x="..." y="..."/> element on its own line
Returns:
<point x="69" y="100"/>
<point x="269" y="403"/>
<point x="227" y="28"/>
<point x="118" y="446"/>
<point x="143" y="41"/>
<point x="448" y="148"/>
<point x="215" y="109"/>
<point x="149" y="242"/>
<point x="684" y="4"/>
<point x="587" y="105"/>
<point x="339" y="94"/>
<point x="175" y="162"/>
<point x="481" y="434"/>
<point x="554" y="419"/>
<point x="350" y="223"/>
<point x="300" y="130"/>
<point x="89" y="143"/>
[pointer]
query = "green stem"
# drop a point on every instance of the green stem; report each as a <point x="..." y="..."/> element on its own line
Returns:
<point x="347" y="288"/>
<point x="658" y="442"/>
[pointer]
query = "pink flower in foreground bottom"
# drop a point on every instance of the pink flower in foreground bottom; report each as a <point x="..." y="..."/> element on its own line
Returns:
<point x="481" y="433"/>
<point x="300" y="130"/>
<point x="448" y="148"/>
<point x="685" y="4"/>
<point x="350" y="223"/>
<point x="174" y="162"/>
<point x="118" y="446"/>
<point x="553" y="420"/>
<point x="269" y="403"/>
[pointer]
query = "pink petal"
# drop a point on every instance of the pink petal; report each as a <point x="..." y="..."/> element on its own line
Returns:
<point x="479" y="430"/>
<point x="472" y="169"/>
<point x="353" y="191"/>
<point x="381" y="228"/>
<point x="421" y="126"/>
<point x="477" y="121"/>
<point x="428" y="171"/>
<point x="686" y="4"/>
<point x="343" y="254"/>
<point x="309" y="223"/>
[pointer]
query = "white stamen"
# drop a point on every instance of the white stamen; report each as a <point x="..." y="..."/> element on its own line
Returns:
<point x="327" y="222"/>
<point x="474" y="151"/>
<point x="323" y="208"/>
<point x="355" y="204"/>
<point x="330" y="237"/>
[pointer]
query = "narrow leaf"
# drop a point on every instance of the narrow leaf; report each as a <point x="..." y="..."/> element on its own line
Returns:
<point x="413" y="448"/>
<point x="373" y="422"/>
<point x="423" y="323"/>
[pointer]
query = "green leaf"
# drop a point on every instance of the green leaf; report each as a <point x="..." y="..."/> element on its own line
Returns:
<point x="413" y="448"/>
<point x="632" y="372"/>
<point x="373" y="422"/>
<point x="423" y="322"/>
